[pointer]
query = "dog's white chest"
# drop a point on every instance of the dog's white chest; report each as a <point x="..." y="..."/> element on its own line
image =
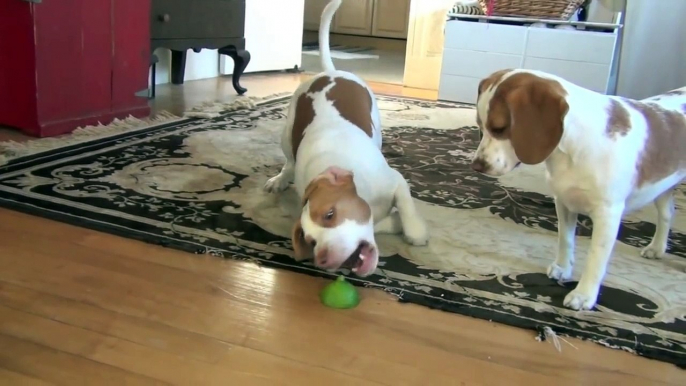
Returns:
<point x="574" y="190"/>
<point x="576" y="199"/>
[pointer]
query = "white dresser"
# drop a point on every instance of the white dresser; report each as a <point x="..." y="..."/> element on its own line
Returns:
<point x="475" y="49"/>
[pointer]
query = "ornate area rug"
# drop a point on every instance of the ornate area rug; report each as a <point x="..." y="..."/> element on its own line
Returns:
<point x="196" y="184"/>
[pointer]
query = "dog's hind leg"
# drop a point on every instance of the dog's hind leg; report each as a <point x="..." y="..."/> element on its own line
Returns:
<point x="665" y="214"/>
<point x="414" y="228"/>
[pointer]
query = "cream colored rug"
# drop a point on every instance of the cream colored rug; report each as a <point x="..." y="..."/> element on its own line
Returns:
<point x="196" y="184"/>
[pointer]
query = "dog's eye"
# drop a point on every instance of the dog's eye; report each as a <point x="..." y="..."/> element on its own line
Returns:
<point x="329" y="214"/>
<point x="497" y="130"/>
<point x="313" y="243"/>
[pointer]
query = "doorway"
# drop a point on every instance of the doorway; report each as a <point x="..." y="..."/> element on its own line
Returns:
<point x="368" y="38"/>
<point x="389" y="41"/>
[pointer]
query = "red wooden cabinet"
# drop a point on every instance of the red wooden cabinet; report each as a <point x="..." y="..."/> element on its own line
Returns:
<point x="70" y="63"/>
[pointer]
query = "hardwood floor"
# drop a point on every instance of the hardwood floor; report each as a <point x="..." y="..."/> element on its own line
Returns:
<point x="83" y="307"/>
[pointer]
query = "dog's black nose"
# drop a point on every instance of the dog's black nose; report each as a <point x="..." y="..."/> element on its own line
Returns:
<point x="479" y="165"/>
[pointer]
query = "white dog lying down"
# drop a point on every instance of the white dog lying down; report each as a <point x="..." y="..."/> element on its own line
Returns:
<point x="605" y="156"/>
<point x="332" y="144"/>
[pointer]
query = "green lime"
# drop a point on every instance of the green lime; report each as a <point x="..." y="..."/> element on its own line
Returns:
<point x="339" y="294"/>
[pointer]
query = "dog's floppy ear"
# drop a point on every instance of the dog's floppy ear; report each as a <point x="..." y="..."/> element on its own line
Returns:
<point x="485" y="82"/>
<point x="537" y="112"/>
<point x="311" y="187"/>
<point x="303" y="250"/>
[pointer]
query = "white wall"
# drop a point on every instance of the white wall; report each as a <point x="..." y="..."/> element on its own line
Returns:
<point x="653" y="58"/>
<point x="204" y="64"/>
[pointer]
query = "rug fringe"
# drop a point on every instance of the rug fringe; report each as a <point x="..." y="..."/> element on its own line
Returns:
<point x="10" y="150"/>
<point x="212" y="109"/>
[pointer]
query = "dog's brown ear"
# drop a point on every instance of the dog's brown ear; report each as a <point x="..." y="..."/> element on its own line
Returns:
<point x="490" y="80"/>
<point x="311" y="187"/>
<point x="483" y="84"/>
<point x="301" y="248"/>
<point x="537" y="112"/>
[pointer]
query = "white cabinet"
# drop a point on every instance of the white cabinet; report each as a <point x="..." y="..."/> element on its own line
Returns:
<point x="473" y="50"/>
<point x="379" y="18"/>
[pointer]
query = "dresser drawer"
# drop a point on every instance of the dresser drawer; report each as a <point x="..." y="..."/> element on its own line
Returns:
<point x="197" y="19"/>
<point x="457" y="88"/>
<point x="477" y="64"/>
<point x="592" y="76"/>
<point x="474" y="36"/>
<point x="578" y="46"/>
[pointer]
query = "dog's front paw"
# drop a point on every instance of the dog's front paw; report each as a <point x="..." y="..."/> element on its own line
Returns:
<point x="416" y="232"/>
<point x="580" y="299"/>
<point x="653" y="252"/>
<point x="559" y="273"/>
<point x="276" y="184"/>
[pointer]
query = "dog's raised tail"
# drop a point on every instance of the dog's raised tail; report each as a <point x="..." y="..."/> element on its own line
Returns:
<point x="324" y="31"/>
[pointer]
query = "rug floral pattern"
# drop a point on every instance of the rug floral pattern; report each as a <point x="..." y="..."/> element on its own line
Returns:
<point x="196" y="185"/>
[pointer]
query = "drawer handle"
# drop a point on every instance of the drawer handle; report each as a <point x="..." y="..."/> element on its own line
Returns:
<point x="164" y="18"/>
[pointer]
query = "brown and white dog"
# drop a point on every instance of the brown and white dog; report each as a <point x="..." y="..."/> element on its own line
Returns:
<point x="332" y="144"/>
<point x="604" y="155"/>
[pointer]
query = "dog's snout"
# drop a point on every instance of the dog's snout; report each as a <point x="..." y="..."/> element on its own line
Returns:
<point x="479" y="165"/>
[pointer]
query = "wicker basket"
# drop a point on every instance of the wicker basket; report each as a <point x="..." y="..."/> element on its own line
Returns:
<point x="534" y="9"/>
